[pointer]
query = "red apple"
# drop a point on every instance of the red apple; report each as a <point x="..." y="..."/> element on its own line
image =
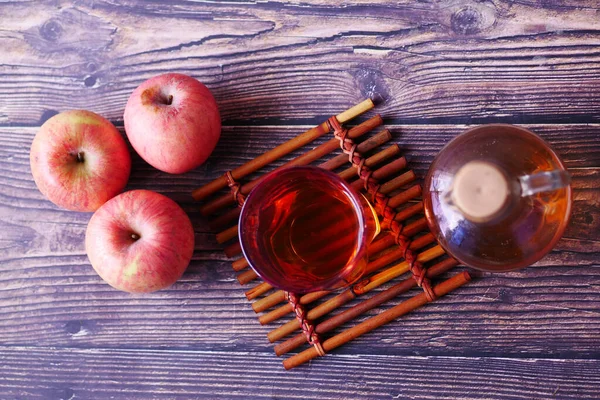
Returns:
<point x="173" y="122"/>
<point x="79" y="160"/>
<point x="140" y="241"/>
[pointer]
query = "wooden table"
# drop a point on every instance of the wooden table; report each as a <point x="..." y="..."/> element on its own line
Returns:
<point x="277" y="68"/>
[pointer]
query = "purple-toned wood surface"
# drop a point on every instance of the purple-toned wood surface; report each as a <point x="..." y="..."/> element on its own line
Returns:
<point x="277" y="68"/>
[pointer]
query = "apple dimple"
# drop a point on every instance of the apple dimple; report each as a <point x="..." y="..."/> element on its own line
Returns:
<point x="80" y="157"/>
<point x="156" y="96"/>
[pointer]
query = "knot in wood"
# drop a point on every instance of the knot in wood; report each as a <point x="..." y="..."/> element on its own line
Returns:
<point x="51" y="30"/>
<point x="466" y="21"/>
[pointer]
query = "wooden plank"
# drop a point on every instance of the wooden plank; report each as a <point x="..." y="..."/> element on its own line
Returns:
<point x="278" y="61"/>
<point x="35" y="373"/>
<point x="549" y="311"/>
<point x="578" y="144"/>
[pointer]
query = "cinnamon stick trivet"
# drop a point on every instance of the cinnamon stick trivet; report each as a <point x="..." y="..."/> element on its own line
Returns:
<point x="378" y="320"/>
<point x="281" y="150"/>
<point x="386" y="210"/>
<point x="401" y="242"/>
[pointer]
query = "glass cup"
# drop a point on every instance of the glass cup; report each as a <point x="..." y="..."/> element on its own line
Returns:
<point x="304" y="229"/>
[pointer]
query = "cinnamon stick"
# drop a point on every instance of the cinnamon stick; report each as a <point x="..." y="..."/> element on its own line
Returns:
<point x="233" y="249"/>
<point x="281" y="150"/>
<point x="397" y="182"/>
<point x="303" y="159"/>
<point x="382" y="242"/>
<point x="378" y="320"/>
<point x="377" y="158"/>
<point x="405" y="196"/>
<point x="247" y="277"/>
<point x="382" y="137"/>
<point x="224" y="220"/>
<point x="409" y="211"/>
<point x="240" y="264"/>
<point x="362" y="307"/>
<point x="390" y="273"/>
<point x="259" y="290"/>
<point x="227" y="234"/>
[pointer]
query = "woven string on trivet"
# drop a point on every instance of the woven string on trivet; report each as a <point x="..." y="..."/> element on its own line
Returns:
<point x="236" y="188"/>
<point x="307" y="326"/>
<point x="381" y="206"/>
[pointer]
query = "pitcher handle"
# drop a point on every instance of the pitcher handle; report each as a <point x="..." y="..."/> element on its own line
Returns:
<point x="546" y="181"/>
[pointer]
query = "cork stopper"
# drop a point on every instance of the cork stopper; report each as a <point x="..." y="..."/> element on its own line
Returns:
<point x="480" y="190"/>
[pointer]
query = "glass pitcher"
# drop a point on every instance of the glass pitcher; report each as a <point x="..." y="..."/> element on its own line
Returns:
<point x="497" y="197"/>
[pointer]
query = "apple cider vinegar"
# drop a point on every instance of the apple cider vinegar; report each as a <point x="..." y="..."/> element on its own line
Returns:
<point x="308" y="229"/>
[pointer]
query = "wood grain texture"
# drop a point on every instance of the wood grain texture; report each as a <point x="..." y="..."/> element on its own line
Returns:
<point x="142" y="374"/>
<point x="277" y="68"/>
<point x="458" y="61"/>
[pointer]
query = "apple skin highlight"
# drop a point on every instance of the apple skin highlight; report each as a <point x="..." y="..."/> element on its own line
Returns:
<point x="173" y="122"/>
<point x="79" y="160"/>
<point x="140" y="241"/>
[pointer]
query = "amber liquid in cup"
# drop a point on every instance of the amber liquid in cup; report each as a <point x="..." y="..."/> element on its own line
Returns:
<point x="304" y="229"/>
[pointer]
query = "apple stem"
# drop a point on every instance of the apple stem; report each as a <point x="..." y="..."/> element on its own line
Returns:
<point x="135" y="236"/>
<point x="170" y="100"/>
<point x="80" y="157"/>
